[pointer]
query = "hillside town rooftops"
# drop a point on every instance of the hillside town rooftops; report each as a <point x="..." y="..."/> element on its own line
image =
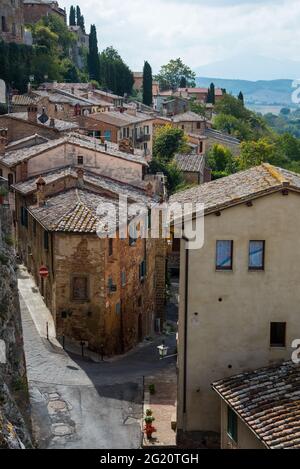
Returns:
<point x="54" y="124"/>
<point x="76" y="211"/>
<point x="121" y="119"/>
<point x="268" y="401"/>
<point x="190" y="162"/>
<point x="188" y="116"/>
<point x="239" y="187"/>
<point x="218" y="91"/>
<point x="91" y="179"/>
<point x="11" y="158"/>
<point x="223" y="137"/>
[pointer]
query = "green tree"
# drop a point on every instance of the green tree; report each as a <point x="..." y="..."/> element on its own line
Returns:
<point x="198" y="108"/>
<point x="93" y="56"/>
<point x="171" y="74"/>
<point x="254" y="153"/>
<point x="221" y="161"/>
<point x="232" y="126"/>
<point x="115" y="74"/>
<point x="147" y="84"/>
<point x="72" y="16"/>
<point x="168" y="141"/>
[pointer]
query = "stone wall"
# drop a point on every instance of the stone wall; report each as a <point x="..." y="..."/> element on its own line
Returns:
<point x="11" y="21"/>
<point x="14" y="403"/>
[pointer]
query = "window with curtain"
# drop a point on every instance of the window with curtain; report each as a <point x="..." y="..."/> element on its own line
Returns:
<point x="224" y="255"/>
<point x="256" y="255"/>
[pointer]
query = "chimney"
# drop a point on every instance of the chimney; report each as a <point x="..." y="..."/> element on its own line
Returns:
<point x="40" y="193"/>
<point x="73" y="90"/>
<point x="52" y="123"/>
<point x="80" y="173"/>
<point x="3" y="142"/>
<point x="32" y="113"/>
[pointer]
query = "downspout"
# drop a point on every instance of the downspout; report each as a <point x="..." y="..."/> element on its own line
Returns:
<point x="186" y="302"/>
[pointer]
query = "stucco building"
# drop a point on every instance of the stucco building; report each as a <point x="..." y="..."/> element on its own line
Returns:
<point x="12" y="21"/>
<point x="239" y="301"/>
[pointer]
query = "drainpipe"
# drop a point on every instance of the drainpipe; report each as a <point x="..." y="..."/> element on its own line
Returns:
<point x="186" y="303"/>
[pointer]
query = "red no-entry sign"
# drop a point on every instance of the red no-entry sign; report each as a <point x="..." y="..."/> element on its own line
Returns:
<point x="43" y="271"/>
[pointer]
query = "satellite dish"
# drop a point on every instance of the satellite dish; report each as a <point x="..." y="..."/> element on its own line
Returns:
<point x="2" y="92"/>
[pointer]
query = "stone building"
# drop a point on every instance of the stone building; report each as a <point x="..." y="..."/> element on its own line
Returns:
<point x="34" y="10"/>
<point x="114" y="126"/>
<point x="21" y="125"/>
<point x="239" y="301"/>
<point x="107" y="292"/>
<point x="193" y="167"/>
<point x="12" y="21"/>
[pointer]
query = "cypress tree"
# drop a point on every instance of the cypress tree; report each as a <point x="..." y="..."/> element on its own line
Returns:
<point x="93" y="56"/>
<point x="241" y="97"/>
<point x="211" y="94"/>
<point x="147" y="84"/>
<point x="78" y="15"/>
<point x="72" y="17"/>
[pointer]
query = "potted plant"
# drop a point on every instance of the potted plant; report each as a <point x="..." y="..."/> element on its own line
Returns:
<point x="149" y="419"/>
<point x="149" y="429"/>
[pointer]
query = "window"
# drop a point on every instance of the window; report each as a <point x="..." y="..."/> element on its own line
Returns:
<point x="80" y="288"/>
<point x="111" y="287"/>
<point x="198" y="125"/>
<point x="232" y="423"/>
<point x="3" y="24"/>
<point x="110" y="246"/>
<point x="277" y="334"/>
<point x="142" y="270"/>
<point x="1" y="172"/>
<point x="107" y="135"/>
<point x="201" y="147"/>
<point x="46" y="240"/>
<point x="118" y="308"/>
<point x="10" y="179"/>
<point x="123" y="278"/>
<point x="24" y="217"/>
<point x="256" y="255"/>
<point x="79" y="159"/>
<point x="224" y="255"/>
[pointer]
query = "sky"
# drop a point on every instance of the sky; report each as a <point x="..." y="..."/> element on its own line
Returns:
<point x="204" y="33"/>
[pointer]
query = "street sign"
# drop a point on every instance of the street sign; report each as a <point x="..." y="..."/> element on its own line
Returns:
<point x="43" y="271"/>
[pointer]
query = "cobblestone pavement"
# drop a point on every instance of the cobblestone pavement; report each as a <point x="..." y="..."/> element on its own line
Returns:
<point x="81" y="404"/>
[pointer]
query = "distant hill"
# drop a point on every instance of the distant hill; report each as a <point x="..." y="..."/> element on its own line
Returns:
<point x="251" y="67"/>
<point x="256" y="93"/>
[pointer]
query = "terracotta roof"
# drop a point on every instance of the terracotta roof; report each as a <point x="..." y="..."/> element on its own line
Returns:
<point x="107" y="94"/>
<point x="224" y="138"/>
<point x="268" y="401"/>
<point x="239" y="187"/>
<point x="75" y="211"/>
<point x="188" y="116"/>
<point x="13" y="157"/>
<point x="218" y="91"/>
<point x="24" y="100"/>
<point x="59" y="125"/>
<point x="91" y="179"/>
<point x="120" y="119"/>
<point x="34" y="139"/>
<point x="190" y="162"/>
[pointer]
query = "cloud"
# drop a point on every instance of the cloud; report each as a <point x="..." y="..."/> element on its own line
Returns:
<point x="198" y="31"/>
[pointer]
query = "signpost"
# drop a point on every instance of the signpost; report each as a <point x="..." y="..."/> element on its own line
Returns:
<point x="43" y="271"/>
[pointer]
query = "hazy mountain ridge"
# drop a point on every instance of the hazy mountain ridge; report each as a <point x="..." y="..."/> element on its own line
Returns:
<point x="265" y="92"/>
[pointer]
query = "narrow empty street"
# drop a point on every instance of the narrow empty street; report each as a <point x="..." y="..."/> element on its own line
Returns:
<point x="80" y="404"/>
